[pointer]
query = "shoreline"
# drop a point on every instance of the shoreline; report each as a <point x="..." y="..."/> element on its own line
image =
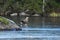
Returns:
<point x="15" y="29"/>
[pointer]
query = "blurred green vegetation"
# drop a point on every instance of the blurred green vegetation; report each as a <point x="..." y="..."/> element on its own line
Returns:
<point x="3" y="20"/>
<point x="34" y="5"/>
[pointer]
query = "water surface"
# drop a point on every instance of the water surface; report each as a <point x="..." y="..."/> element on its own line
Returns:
<point x="38" y="28"/>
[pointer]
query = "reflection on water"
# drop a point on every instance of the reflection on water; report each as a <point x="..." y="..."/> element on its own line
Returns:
<point x="38" y="29"/>
<point x="31" y="34"/>
<point x="31" y="39"/>
<point x="39" y="22"/>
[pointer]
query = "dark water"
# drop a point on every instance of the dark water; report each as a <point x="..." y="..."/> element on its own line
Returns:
<point x="39" y="22"/>
<point x="38" y="28"/>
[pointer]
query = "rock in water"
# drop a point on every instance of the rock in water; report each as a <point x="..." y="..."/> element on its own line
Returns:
<point x="11" y="25"/>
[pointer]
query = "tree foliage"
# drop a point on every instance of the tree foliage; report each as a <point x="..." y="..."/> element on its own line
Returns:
<point x="16" y="5"/>
<point x="52" y="5"/>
